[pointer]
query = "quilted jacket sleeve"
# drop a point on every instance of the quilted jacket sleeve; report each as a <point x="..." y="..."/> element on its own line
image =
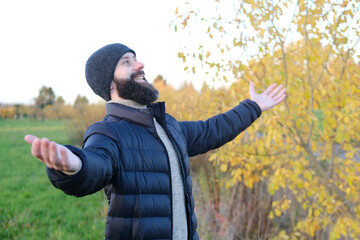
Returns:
<point x="98" y="166"/>
<point x="203" y="136"/>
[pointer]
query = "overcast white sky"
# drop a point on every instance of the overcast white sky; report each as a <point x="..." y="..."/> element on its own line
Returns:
<point x="47" y="42"/>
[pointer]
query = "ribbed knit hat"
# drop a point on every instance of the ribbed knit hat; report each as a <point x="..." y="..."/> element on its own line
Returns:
<point x="100" y="68"/>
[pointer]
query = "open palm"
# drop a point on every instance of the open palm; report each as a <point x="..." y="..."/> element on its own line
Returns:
<point x="54" y="155"/>
<point x="269" y="98"/>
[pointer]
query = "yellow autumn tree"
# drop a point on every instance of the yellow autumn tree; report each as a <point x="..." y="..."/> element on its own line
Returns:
<point x="295" y="173"/>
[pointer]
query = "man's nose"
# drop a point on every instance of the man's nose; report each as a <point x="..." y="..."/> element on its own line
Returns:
<point x="138" y="65"/>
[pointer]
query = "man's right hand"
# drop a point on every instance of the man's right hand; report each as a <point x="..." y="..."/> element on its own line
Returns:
<point x="54" y="155"/>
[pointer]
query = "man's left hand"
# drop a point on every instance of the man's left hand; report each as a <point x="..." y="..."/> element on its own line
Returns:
<point x="269" y="98"/>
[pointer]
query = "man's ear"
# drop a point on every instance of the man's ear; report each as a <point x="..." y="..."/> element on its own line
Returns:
<point x="113" y="91"/>
<point x="112" y="85"/>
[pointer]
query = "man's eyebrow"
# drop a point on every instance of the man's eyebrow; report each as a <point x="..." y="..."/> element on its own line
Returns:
<point x="128" y="57"/>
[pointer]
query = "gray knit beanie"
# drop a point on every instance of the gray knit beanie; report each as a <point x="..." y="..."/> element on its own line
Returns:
<point x="100" y="68"/>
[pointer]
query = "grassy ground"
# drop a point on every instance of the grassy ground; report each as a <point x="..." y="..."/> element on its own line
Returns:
<point x="30" y="207"/>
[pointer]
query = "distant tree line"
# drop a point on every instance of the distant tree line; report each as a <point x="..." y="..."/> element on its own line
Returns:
<point x="46" y="106"/>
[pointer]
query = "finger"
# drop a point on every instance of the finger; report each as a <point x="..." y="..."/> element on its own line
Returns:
<point x="45" y="149"/>
<point x="54" y="158"/>
<point x="275" y="91"/>
<point x="279" y="95"/>
<point x="36" y="149"/>
<point x="280" y="99"/>
<point x="252" y="88"/>
<point x="269" y="89"/>
<point x="64" y="159"/>
<point x="252" y="91"/>
<point x="46" y="152"/>
<point x="29" y="138"/>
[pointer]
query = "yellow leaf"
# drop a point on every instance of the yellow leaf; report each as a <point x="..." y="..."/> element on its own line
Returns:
<point x="277" y="212"/>
<point x="223" y="167"/>
<point x="236" y="175"/>
<point x="211" y="65"/>
<point x="207" y="54"/>
<point x="332" y="122"/>
<point x="285" y="205"/>
<point x="212" y="157"/>
<point x="249" y="182"/>
<point x="272" y="188"/>
<point x="304" y="205"/>
<point x="316" y="212"/>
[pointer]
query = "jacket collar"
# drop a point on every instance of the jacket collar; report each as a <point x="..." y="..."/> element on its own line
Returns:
<point x="140" y="116"/>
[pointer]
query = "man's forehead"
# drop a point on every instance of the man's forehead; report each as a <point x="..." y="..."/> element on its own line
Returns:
<point x="128" y="55"/>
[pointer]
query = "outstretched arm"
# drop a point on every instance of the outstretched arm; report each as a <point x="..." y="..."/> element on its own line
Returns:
<point x="75" y="171"/>
<point x="202" y="136"/>
<point x="54" y="155"/>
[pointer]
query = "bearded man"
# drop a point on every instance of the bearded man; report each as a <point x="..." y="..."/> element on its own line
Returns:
<point x="140" y="154"/>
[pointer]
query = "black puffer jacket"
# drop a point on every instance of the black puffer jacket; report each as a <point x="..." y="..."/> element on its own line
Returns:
<point x="124" y="153"/>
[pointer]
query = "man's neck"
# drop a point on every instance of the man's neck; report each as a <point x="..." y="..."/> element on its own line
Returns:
<point x="129" y="103"/>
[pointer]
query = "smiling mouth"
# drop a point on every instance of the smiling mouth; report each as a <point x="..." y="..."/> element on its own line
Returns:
<point x="139" y="78"/>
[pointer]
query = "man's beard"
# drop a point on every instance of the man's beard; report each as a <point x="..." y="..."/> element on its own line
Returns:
<point x="142" y="93"/>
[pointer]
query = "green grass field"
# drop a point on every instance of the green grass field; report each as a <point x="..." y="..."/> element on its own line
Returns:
<point x="30" y="207"/>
